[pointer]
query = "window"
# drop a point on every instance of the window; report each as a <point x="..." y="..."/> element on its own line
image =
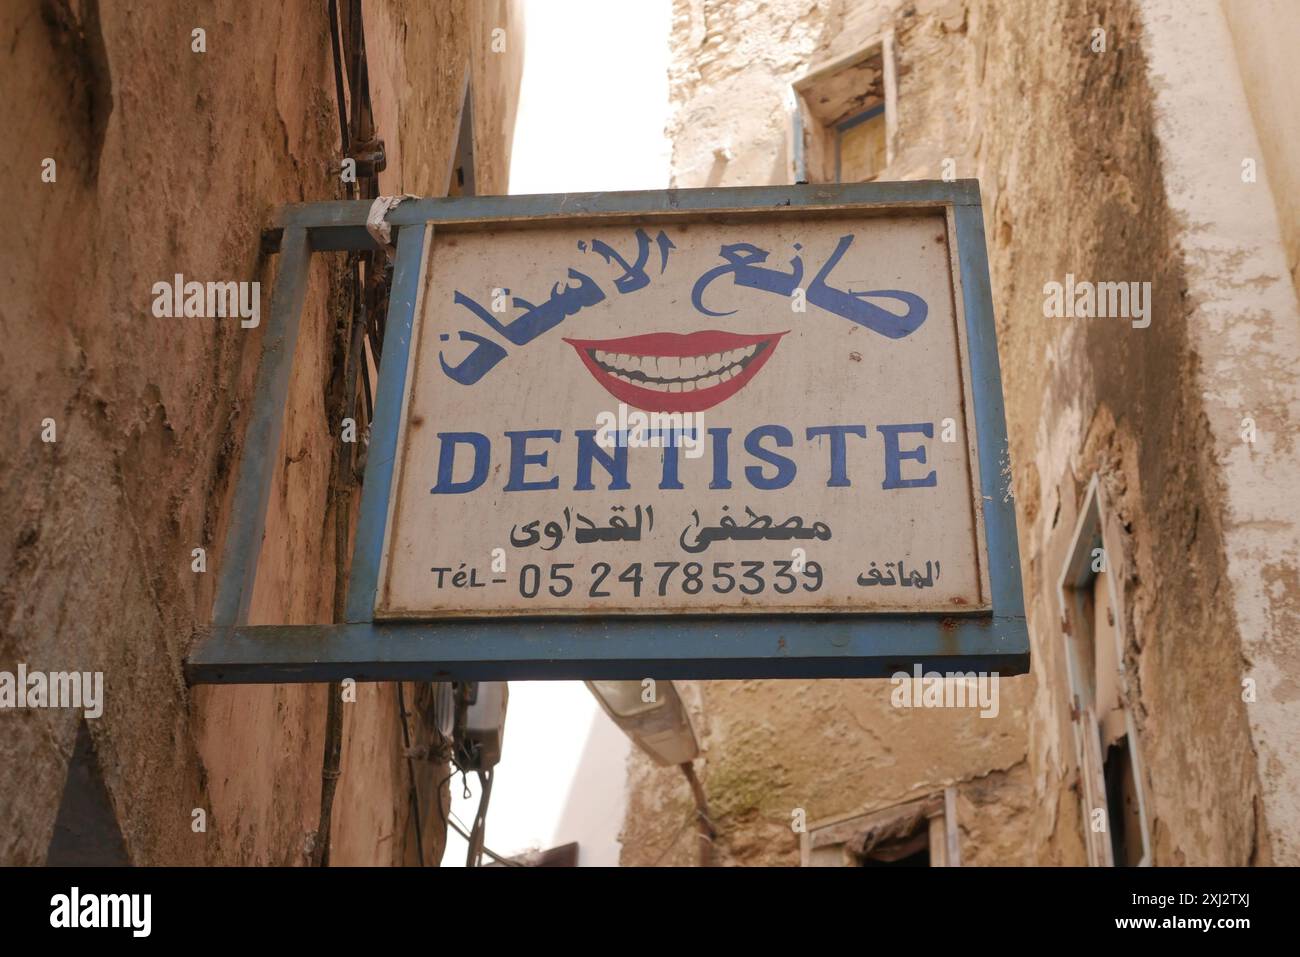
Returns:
<point x="920" y="833"/>
<point x="842" y="117"/>
<point x="860" y="146"/>
<point x="1113" y="802"/>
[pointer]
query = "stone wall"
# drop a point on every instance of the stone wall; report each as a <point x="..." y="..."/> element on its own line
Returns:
<point x="171" y="161"/>
<point x="828" y="748"/>
<point x="1099" y="163"/>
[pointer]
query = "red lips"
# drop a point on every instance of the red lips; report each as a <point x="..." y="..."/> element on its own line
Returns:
<point x="670" y="372"/>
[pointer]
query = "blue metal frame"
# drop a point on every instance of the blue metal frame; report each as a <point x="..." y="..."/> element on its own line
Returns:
<point x="262" y="440"/>
<point x="677" y="646"/>
<point x="368" y="550"/>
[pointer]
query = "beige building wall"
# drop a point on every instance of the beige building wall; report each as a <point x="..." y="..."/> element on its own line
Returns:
<point x="1264" y="35"/>
<point x="1112" y="156"/>
<point x="171" y="161"/>
<point x="819" y="750"/>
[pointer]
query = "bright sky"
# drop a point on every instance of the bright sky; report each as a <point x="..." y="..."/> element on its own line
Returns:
<point x="594" y="101"/>
<point x="592" y="111"/>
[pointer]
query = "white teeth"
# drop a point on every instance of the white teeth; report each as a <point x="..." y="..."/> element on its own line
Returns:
<point x="675" y="373"/>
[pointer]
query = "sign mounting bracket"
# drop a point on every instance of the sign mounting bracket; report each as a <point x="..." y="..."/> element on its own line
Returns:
<point x="676" y="646"/>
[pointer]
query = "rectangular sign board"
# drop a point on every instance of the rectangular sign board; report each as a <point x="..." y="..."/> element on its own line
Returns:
<point x="692" y="415"/>
<point x="708" y="433"/>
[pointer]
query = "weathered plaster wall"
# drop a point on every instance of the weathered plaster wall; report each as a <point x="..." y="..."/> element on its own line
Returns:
<point x="831" y="748"/>
<point x="1265" y="35"/>
<point x="1110" y="165"/>
<point x="732" y="62"/>
<point x="1244" y="327"/>
<point x="1081" y="190"/>
<point x="170" y="161"/>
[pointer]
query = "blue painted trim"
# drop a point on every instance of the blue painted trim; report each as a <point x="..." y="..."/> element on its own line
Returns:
<point x="806" y="646"/>
<point x="238" y="568"/>
<point x="368" y="549"/>
<point x="990" y="421"/>
<point x="753" y="200"/>
<point x="843" y="126"/>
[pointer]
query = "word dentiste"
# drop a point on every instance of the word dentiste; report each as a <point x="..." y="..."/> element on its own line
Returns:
<point x="528" y="456"/>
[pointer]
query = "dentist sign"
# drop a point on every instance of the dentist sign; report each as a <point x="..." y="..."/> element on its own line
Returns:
<point x="764" y="409"/>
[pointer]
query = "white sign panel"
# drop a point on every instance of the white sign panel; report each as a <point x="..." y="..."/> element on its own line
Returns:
<point x="688" y="416"/>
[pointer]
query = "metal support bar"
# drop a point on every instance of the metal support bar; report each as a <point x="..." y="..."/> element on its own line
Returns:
<point x="990" y="416"/>
<point x="736" y="200"/>
<point x="367" y="552"/>
<point x="664" y="647"/>
<point x="238" y="568"/>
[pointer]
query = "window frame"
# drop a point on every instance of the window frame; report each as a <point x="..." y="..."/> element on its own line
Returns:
<point x="939" y="810"/>
<point x="1075" y="586"/>
<point x="801" y="121"/>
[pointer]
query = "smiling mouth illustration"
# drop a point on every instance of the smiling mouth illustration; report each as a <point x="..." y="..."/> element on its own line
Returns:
<point x="670" y="372"/>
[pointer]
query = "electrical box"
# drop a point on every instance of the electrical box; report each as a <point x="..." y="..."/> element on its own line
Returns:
<point x="480" y="724"/>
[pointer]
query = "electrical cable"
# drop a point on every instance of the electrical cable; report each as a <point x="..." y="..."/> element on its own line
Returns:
<point x="449" y="819"/>
<point x="458" y="826"/>
<point x="480" y="820"/>
<point x="410" y="767"/>
<point x="365" y="322"/>
<point x="707" y="833"/>
<point x="673" y="842"/>
<point x="336" y="47"/>
<point x="331" y="763"/>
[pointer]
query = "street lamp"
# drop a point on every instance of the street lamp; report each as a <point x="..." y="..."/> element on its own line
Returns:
<point x="651" y="713"/>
